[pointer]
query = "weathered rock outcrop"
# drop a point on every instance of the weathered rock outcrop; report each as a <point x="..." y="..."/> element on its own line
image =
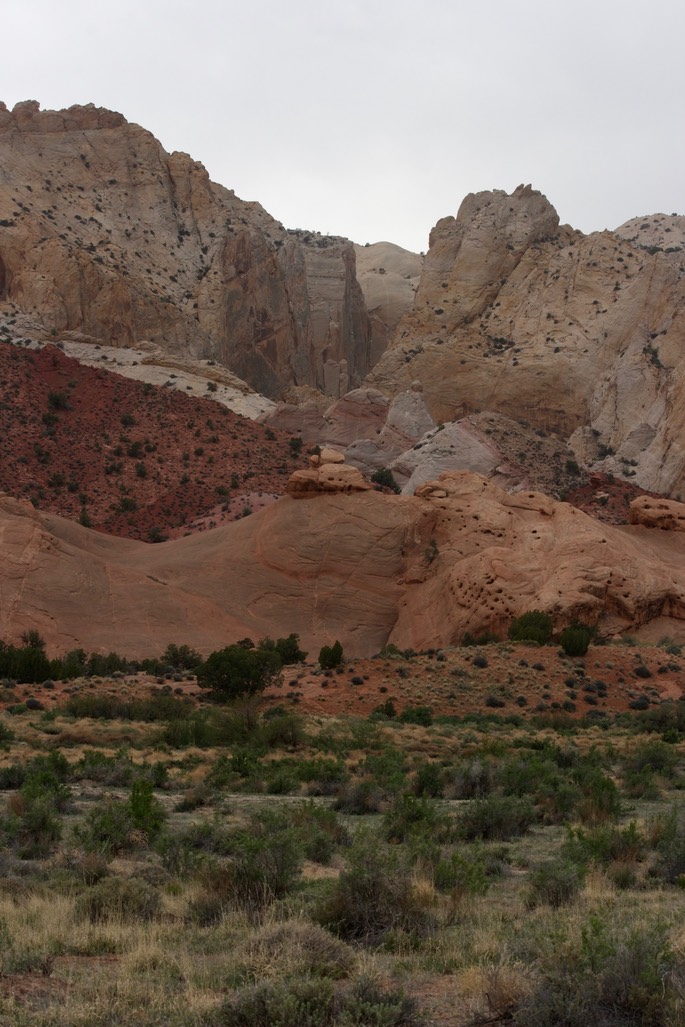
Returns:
<point x="367" y="568"/>
<point x="574" y="334"/>
<point x="104" y="234"/>
<point x="328" y="473"/>
<point x="658" y="513"/>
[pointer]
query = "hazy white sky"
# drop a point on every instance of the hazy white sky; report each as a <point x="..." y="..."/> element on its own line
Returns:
<point x="373" y="118"/>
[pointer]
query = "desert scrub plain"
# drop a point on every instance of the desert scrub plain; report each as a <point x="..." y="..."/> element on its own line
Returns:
<point x="167" y="860"/>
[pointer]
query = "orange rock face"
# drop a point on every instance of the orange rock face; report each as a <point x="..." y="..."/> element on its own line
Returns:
<point x="364" y="567"/>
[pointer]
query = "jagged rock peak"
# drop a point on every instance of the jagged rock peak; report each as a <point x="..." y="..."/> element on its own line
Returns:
<point x="492" y="225"/>
<point x="27" y="116"/>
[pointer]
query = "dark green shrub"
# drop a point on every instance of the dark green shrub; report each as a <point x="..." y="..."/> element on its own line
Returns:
<point x="422" y="715"/>
<point x="429" y="780"/>
<point x="386" y="479"/>
<point x="670" y="848"/>
<point x="600" y="800"/>
<point x="331" y="656"/>
<point x="605" y="844"/>
<point x="575" y="640"/>
<point x="411" y="817"/>
<point x="498" y="818"/>
<point x="236" y="671"/>
<point x="265" y="861"/>
<point x="534" y="626"/>
<point x="472" y="779"/>
<point x="319" y="829"/>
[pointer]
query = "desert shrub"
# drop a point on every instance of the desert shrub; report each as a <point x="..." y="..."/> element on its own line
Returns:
<point x="147" y="812"/>
<point x="319" y="829"/>
<point x="617" y="978"/>
<point x="600" y="800"/>
<point x="670" y="848"/>
<point x="429" y="780"/>
<point x="100" y="706"/>
<point x="422" y="715"/>
<point x="554" y="793"/>
<point x="534" y="626"/>
<point x="575" y="640"/>
<point x="554" y="883"/>
<point x="463" y="872"/>
<point x="654" y="756"/>
<point x="283" y="730"/>
<point x="359" y="797"/>
<point x="33" y="829"/>
<point x="495" y="817"/>
<point x="265" y="860"/>
<point x="315" y="1003"/>
<point x="388" y="768"/>
<point x="410" y="818"/>
<point x="605" y="844"/>
<point x="107" y="828"/>
<point x="331" y="656"/>
<point x="375" y="895"/>
<point x="472" y="779"/>
<point x="295" y="948"/>
<point x="322" y="775"/>
<point x="117" y="898"/>
<point x="96" y="765"/>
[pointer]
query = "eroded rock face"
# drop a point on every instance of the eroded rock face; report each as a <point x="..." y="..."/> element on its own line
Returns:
<point x="104" y="234"/>
<point x="575" y="334"/>
<point x="658" y="513"/>
<point x="367" y="568"/>
<point x="328" y="473"/>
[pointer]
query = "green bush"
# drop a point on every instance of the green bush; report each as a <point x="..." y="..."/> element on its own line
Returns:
<point x="331" y="656"/>
<point x="575" y="640"/>
<point x="265" y="861"/>
<point x="606" y="978"/>
<point x="107" y="828"/>
<point x="496" y="818"/>
<point x="236" y="670"/>
<point x="147" y="812"/>
<point x="534" y="626"/>
<point x="411" y="817"/>
<point x="375" y="895"/>
<point x="316" y="1003"/>
<point x="463" y="872"/>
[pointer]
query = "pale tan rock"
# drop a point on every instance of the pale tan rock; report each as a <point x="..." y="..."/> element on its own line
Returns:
<point x="389" y="277"/>
<point x="581" y="335"/>
<point x="107" y="235"/>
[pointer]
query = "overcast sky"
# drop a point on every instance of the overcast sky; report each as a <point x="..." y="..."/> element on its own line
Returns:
<point x="374" y="118"/>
